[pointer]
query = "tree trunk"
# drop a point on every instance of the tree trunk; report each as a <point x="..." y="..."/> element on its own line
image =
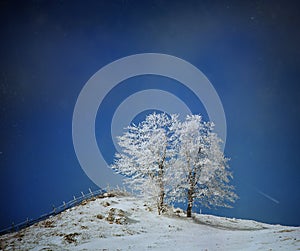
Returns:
<point x="190" y="203"/>
<point x="161" y="184"/>
<point x="191" y="192"/>
<point x="161" y="202"/>
<point x="160" y="205"/>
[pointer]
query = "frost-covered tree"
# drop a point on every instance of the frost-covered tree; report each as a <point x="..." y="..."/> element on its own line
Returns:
<point x="182" y="161"/>
<point x="146" y="152"/>
<point x="200" y="171"/>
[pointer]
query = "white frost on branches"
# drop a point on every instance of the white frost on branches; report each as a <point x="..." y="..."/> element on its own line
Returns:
<point x="200" y="171"/>
<point x="147" y="150"/>
<point x="165" y="158"/>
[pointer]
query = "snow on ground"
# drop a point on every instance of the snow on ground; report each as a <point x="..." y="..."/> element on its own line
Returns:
<point x="128" y="223"/>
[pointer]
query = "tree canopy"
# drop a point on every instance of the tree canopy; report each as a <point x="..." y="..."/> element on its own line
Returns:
<point x="166" y="159"/>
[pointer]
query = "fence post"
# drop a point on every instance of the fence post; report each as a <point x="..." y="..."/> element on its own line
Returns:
<point x="15" y="227"/>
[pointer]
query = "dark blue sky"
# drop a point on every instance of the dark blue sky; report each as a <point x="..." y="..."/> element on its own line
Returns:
<point x="249" y="50"/>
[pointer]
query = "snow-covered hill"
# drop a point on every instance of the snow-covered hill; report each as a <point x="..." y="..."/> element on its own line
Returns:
<point x="128" y="223"/>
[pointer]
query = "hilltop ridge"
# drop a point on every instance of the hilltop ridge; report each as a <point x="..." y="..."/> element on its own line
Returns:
<point x="124" y="222"/>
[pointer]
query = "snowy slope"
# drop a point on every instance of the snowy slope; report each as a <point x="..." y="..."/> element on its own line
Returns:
<point x="128" y="223"/>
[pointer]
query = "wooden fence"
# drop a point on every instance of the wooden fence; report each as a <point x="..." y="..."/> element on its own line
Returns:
<point x="55" y="210"/>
